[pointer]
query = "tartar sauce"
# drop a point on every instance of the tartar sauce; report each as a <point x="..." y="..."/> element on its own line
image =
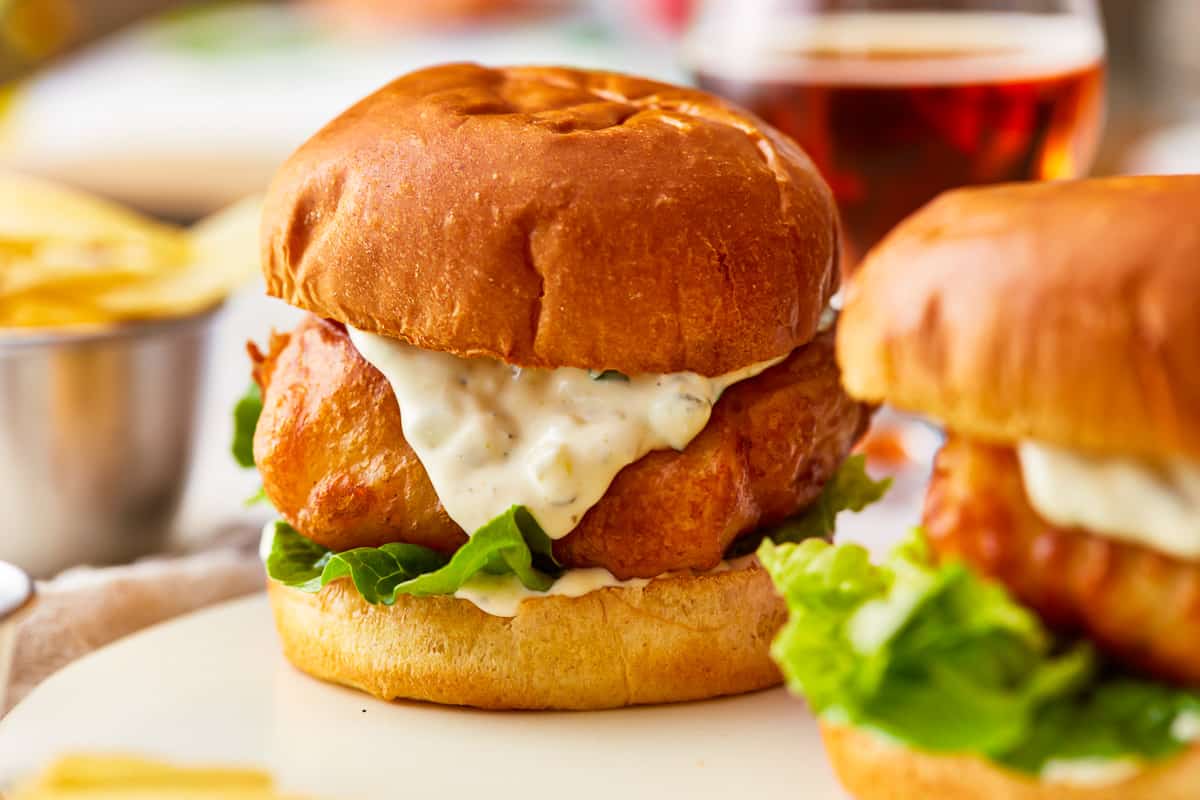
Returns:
<point x="1090" y="771"/>
<point x="491" y="435"/>
<point x="502" y="595"/>
<point x="1155" y="505"/>
<point x="1186" y="727"/>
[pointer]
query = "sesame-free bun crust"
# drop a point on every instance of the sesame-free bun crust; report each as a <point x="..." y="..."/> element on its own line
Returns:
<point x="1065" y="312"/>
<point x="677" y="638"/>
<point x="873" y="769"/>
<point x="556" y="217"/>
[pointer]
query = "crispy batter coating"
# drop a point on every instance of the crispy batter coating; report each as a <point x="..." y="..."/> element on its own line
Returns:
<point x="329" y="447"/>
<point x="770" y="446"/>
<point x="335" y="463"/>
<point x="1141" y="606"/>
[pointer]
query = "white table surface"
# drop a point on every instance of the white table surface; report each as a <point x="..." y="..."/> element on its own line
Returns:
<point x="212" y="687"/>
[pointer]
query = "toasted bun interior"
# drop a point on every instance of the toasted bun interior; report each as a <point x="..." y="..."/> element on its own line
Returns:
<point x="556" y="217"/>
<point x="677" y="638"/>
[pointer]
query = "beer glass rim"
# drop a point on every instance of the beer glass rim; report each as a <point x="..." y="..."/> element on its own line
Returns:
<point x="1084" y="9"/>
<point x="735" y="39"/>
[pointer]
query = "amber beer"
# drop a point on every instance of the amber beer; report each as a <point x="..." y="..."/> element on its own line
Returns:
<point x="895" y="108"/>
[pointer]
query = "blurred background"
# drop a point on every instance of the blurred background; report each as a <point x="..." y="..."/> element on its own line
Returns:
<point x="178" y="109"/>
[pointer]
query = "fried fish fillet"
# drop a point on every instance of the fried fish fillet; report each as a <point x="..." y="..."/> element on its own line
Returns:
<point x="335" y="463"/>
<point x="1139" y="605"/>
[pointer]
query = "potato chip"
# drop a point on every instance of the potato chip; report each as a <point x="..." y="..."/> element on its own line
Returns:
<point x="223" y="255"/>
<point x="68" y="259"/>
<point x="35" y="210"/>
<point x="49" y="234"/>
<point x="84" y="776"/>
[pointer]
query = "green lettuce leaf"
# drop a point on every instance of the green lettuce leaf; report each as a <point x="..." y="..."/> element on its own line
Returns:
<point x="1117" y="717"/>
<point x="943" y="661"/>
<point x="850" y="489"/>
<point x="512" y="543"/>
<point x="245" y="420"/>
<point x="608" y="375"/>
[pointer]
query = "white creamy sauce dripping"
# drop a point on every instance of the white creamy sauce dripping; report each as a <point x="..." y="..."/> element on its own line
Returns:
<point x="1155" y="505"/>
<point x="1186" y="727"/>
<point x="1090" y="771"/>
<point x="502" y="595"/>
<point x="491" y="435"/>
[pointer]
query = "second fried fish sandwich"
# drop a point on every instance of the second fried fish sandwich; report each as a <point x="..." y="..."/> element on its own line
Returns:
<point x="1039" y="636"/>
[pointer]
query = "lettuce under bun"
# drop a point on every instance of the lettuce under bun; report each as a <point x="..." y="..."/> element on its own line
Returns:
<point x="930" y="681"/>
<point x="674" y="638"/>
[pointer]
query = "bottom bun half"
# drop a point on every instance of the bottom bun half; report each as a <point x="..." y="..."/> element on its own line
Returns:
<point x="676" y="638"/>
<point x="872" y="768"/>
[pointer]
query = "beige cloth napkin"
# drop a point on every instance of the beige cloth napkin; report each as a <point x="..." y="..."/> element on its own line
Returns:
<point x="88" y="607"/>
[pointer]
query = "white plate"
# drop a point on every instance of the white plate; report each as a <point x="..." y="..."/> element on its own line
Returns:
<point x="212" y="686"/>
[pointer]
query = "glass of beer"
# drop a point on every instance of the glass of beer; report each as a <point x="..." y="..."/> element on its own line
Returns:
<point x="897" y="101"/>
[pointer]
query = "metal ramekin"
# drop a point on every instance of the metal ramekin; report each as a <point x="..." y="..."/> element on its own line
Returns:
<point x="96" y="433"/>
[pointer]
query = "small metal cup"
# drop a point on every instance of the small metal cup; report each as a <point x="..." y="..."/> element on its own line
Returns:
<point x="96" y="433"/>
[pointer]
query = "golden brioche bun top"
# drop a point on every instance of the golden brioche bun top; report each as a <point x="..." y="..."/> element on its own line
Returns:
<point x="1062" y="312"/>
<point x="556" y="217"/>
